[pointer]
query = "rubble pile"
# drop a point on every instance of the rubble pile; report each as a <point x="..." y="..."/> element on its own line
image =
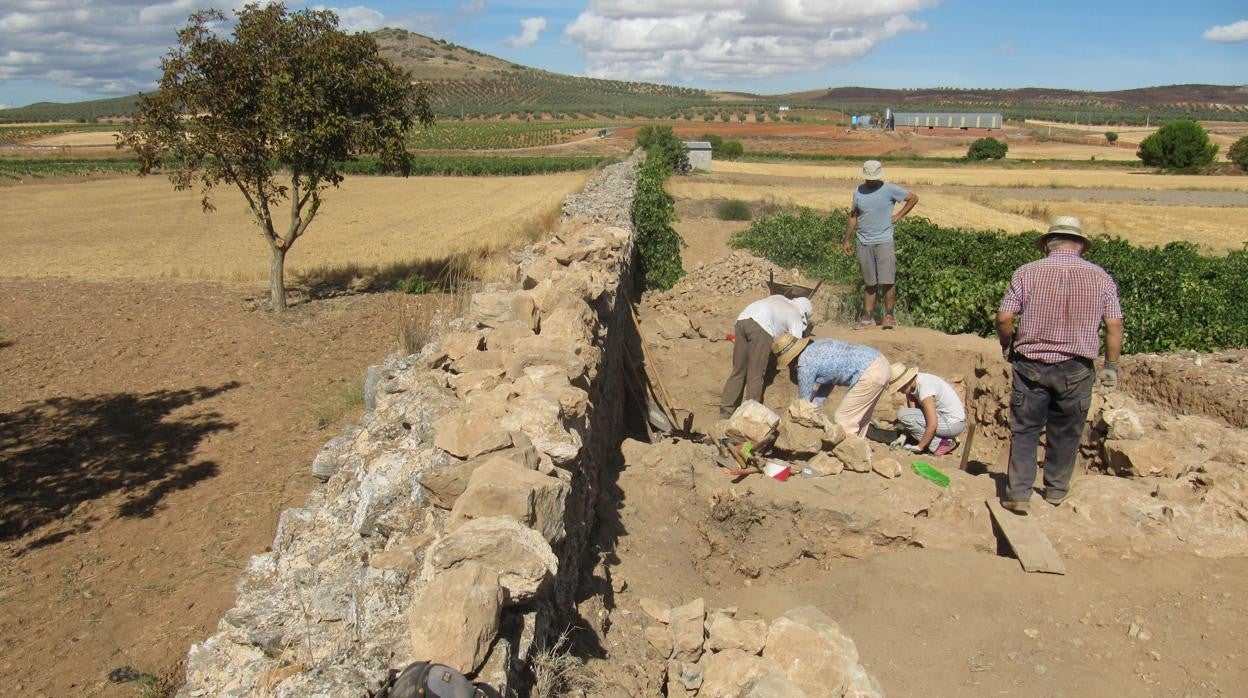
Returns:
<point x="715" y="655"/>
<point x="701" y="291"/>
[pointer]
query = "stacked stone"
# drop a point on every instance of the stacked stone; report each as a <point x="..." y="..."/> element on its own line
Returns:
<point x="802" y="653"/>
<point x="454" y="515"/>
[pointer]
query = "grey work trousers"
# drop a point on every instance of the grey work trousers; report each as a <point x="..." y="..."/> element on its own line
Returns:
<point x="912" y="421"/>
<point x="1055" y="398"/>
<point x="750" y="351"/>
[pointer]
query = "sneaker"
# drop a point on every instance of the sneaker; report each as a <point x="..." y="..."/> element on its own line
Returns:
<point x="945" y="446"/>
<point x="888" y="323"/>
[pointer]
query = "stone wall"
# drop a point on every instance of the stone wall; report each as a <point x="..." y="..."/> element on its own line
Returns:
<point x="455" y="515"/>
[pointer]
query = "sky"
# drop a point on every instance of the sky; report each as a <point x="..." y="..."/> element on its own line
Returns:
<point x="74" y="50"/>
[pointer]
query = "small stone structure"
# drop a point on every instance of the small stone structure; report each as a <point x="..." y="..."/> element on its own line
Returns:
<point x="455" y="515"/>
<point x="700" y="155"/>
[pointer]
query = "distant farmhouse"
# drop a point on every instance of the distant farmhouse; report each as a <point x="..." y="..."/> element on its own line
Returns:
<point x="947" y="120"/>
<point x="699" y="155"/>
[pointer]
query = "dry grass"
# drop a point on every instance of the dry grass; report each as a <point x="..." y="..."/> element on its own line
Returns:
<point x="1046" y="151"/>
<point x="108" y="138"/>
<point x="1216" y="229"/>
<point x="944" y="209"/>
<point x="992" y="177"/>
<point x="142" y="229"/>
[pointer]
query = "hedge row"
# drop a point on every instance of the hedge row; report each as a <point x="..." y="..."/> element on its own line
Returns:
<point x="481" y="166"/>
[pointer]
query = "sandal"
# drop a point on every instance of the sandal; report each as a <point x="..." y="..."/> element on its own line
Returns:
<point x="888" y="323"/>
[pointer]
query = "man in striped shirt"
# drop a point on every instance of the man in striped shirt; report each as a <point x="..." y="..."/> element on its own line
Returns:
<point x="1062" y="300"/>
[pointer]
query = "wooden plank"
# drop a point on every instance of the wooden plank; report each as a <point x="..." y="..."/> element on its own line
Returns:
<point x="1029" y="543"/>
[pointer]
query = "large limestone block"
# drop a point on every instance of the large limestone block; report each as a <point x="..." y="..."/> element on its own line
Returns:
<point x="575" y="358"/>
<point x="798" y="438"/>
<point x="1122" y="424"/>
<point x="494" y="308"/>
<point x="541" y="418"/>
<point x="519" y="555"/>
<point x="814" y="653"/>
<point x="470" y="434"/>
<point x="728" y="673"/>
<point x="774" y="685"/>
<point x="855" y="453"/>
<point x="673" y="326"/>
<point x="456" y="345"/>
<point x="465" y="384"/>
<point x="500" y="488"/>
<point x="822" y="464"/>
<point x="688" y="630"/>
<point x="753" y="421"/>
<point x="506" y="334"/>
<point x="572" y="320"/>
<point x="479" y="361"/>
<point x="1141" y="458"/>
<point x="455" y="619"/>
<point x="728" y="634"/>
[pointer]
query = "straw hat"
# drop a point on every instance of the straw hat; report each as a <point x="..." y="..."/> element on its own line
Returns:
<point x="899" y="375"/>
<point x="873" y="169"/>
<point x="786" y="347"/>
<point x="1064" y="225"/>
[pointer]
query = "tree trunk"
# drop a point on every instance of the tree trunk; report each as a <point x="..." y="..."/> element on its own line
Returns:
<point x="277" y="285"/>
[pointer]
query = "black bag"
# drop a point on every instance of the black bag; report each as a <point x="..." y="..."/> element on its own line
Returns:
<point x="429" y="680"/>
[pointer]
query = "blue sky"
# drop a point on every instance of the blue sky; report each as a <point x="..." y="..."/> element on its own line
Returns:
<point x="70" y="50"/>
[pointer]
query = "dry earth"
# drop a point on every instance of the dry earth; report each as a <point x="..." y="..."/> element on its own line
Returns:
<point x="933" y="605"/>
<point x="149" y="436"/>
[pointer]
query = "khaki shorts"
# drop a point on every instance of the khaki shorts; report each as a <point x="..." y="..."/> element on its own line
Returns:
<point x="878" y="263"/>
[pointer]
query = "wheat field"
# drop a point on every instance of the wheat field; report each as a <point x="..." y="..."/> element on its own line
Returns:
<point x="993" y="177"/>
<point x="1217" y="229"/>
<point x="140" y="228"/>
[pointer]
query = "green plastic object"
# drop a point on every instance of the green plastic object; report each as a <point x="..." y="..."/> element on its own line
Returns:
<point x="931" y="472"/>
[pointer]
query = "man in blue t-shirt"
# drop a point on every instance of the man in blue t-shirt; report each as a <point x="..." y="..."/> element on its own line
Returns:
<point x="872" y="217"/>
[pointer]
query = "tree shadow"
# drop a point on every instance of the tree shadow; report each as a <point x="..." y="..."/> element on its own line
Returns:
<point x="62" y="452"/>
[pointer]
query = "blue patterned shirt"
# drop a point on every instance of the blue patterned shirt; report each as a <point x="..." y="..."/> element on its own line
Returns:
<point x="830" y="362"/>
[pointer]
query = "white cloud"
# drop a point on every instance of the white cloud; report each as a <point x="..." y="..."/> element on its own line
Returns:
<point x="473" y="7"/>
<point x="359" y="19"/>
<point x="1229" y="33"/>
<point x="530" y="29"/>
<point x="115" y="46"/>
<point x="728" y="40"/>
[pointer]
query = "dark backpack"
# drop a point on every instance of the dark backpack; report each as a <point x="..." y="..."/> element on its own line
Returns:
<point x="429" y="680"/>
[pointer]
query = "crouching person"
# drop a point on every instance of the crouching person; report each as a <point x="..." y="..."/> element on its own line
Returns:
<point x="933" y="416"/>
<point x="823" y="364"/>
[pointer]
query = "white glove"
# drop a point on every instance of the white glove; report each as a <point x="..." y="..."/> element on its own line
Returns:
<point x="914" y="448"/>
<point x="897" y="442"/>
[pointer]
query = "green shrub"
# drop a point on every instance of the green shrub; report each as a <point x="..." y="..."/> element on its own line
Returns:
<point x="714" y="140"/>
<point x="414" y="283"/>
<point x="952" y="279"/>
<point x="1239" y="153"/>
<point x="731" y="150"/>
<point x="733" y="210"/>
<point x="986" y="149"/>
<point x="662" y="142"/>
<point x="1181" y="145"/>
<point x="658" y="243"/>
<point x="1111" y="137"/>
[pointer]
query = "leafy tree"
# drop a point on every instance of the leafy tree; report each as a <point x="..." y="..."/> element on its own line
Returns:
<point x="1180" y="145"/>
<point x="1111" y="136"/>
<point x="986" y="149"/>
<point x="732" y="150"/>
<point x="662" y="143"/>
<point x="274" y="109"/>
<point x="714" y="140"/>
<point x="1239" y="153"/>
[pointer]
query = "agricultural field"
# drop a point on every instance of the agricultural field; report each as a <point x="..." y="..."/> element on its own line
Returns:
<point x="142" y="229"/>
<point x="145" y="397"/>
<point x="499" y="135"/>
